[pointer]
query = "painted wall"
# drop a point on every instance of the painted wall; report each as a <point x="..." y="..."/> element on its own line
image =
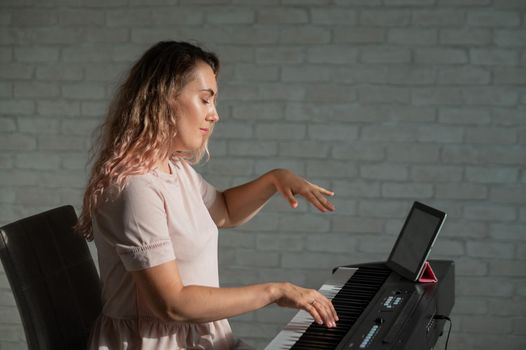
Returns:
<point x="383" y="101"/>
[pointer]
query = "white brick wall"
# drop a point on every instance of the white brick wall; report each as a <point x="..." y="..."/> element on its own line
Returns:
<point x="384" y="101"/>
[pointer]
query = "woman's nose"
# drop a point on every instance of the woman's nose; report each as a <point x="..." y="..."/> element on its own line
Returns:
<point x="213" y="116"/>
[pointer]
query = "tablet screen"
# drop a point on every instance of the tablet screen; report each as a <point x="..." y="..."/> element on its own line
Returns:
<point x="414" y="243"/>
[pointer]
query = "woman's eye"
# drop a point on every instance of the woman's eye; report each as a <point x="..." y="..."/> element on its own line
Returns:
<point x="205" y="101"/>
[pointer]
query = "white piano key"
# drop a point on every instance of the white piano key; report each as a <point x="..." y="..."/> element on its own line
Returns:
<point x="302" y="320"/>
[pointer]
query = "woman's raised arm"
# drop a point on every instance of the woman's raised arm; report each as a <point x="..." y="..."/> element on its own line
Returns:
<point x="239" y="204"/>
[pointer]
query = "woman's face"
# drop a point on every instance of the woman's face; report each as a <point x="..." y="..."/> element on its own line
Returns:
<point x="196" y="109"/>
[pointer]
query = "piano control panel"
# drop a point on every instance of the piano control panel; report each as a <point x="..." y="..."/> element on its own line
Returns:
<point x="384" y="325"/>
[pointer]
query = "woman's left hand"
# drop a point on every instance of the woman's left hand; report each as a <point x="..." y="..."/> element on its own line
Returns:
<point x="289" y="184"/>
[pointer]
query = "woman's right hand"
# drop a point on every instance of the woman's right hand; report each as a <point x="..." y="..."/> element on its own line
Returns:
<point x="310" y="300"/>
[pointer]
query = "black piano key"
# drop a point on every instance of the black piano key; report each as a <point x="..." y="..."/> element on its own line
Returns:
<point x="349" y="302"/>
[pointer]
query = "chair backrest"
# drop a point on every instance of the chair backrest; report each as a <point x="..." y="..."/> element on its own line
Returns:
<point x="54" y="280"/>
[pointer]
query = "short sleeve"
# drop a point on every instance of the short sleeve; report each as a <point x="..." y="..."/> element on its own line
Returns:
<point x="144" y="239"/>
<point x="208" y="192"/>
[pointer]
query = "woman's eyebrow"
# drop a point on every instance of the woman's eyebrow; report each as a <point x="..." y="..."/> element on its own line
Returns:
<point x="212" y="92"/>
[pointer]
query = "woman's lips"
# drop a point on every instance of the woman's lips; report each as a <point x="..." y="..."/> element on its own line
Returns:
<point x="204" y="130"/>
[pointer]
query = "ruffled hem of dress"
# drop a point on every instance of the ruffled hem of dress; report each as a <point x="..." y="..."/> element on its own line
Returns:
<point x="124" y="334"/>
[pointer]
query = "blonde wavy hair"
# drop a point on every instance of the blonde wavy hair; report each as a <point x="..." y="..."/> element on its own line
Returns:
<point x="141" y="122"/>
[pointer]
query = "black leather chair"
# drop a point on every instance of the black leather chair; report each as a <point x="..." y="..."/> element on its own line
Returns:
<point x="53" y="278"/>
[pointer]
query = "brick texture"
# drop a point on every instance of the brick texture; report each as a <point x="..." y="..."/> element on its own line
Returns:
<point x="383" y="101"/>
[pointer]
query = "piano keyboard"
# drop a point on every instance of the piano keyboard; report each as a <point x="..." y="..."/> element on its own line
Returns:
<point x="351" y="290"/>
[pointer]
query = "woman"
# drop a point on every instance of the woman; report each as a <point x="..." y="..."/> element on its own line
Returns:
<point x="155" y="220"/>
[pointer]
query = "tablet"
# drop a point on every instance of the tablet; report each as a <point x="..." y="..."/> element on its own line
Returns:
<point x="411" y="249"/>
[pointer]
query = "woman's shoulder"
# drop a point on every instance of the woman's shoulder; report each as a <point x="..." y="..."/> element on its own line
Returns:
<point x="136" y="188"/>
<point x="148" y="181"/>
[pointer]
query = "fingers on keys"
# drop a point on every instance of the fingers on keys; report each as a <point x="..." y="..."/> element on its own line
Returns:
<point x="322" y="311"/>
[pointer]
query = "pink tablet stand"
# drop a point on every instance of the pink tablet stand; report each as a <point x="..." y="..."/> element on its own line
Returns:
<point x="427" y="275"/>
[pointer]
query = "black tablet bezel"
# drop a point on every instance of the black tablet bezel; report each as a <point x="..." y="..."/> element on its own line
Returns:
<point x="403" y="271"/>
